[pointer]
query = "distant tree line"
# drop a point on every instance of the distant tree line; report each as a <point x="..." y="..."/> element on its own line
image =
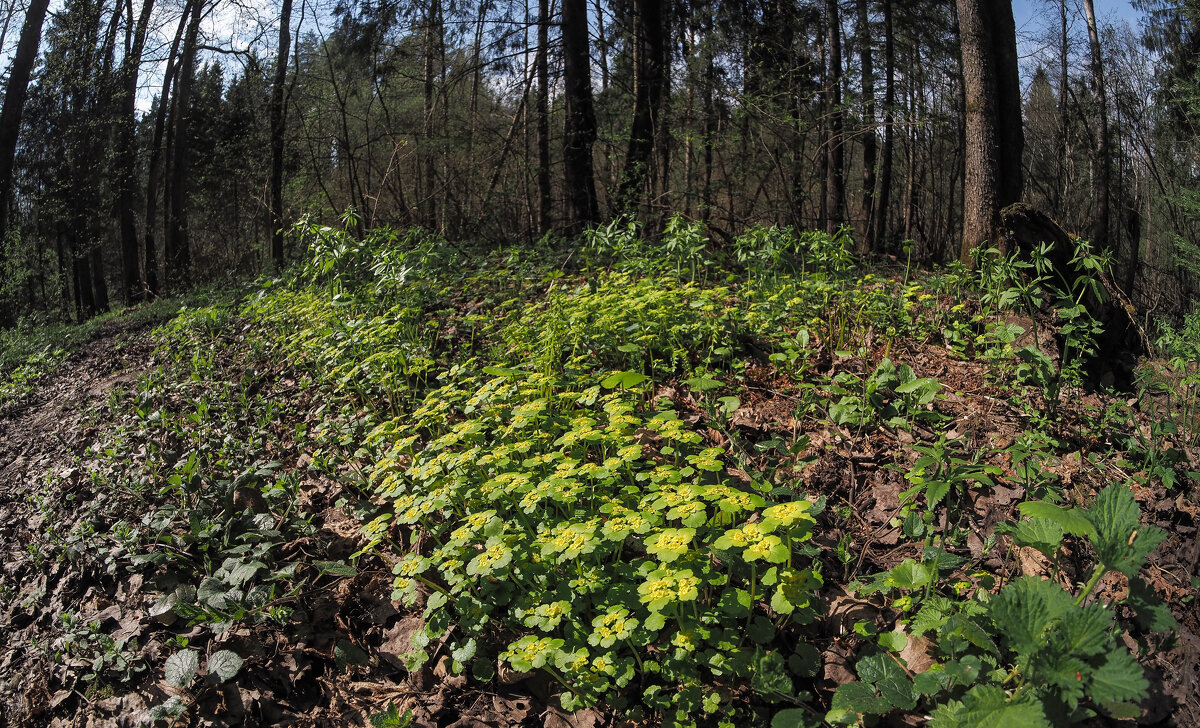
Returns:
<point x="147" y="146"/>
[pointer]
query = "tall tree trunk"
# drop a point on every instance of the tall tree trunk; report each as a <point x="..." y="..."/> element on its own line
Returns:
<point x="155" y="165"/>
<point x="580" y="124"/>
<point x="278" y="127"/>
<point x="602" y="42"/>
<point x="884" y="183"/>
<point x="178" y="247"/>
<point x="866" y="209"/>
<point x="993" y="176"/>
<point x="836" y="188"/>
<point x="1059" y="189"/>
<point x="433" y="38"/>
<point x="134" y="285"/>
<point x="1100" y="179"/>
<point x="650" y="51"/>
<point x="14" y="103"/>
<point x="542" y="61"/>
<point x="1008" y="107"/>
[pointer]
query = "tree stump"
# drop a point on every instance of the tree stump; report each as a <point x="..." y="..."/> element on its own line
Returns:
<point x="1024" y="227"/>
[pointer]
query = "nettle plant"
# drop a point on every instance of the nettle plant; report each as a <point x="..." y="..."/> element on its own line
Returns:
<point x="600" y="541"/>
<point x="1033" y="654"/>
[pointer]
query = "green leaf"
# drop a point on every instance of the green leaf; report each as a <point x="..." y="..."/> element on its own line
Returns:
<point x="1086" y="630"/>
<point x="181" y="667"/>
<point x="908" y="574"/>
<point x="223" y="665"/>
<point x="770" y="676"/>
<point x="1151" y="613"/>
<point x="761" y="630"/>
<point x="1120" y="542"/>
<point x="336" y="568"/>
<point x="1070" y="520"/>
<point x="987" y="706"/>
<point x="1042" y="534"/>
<point x="1119" y="679"/>
<point x="212" y="593"/>
<point x="930" y="681"/>
<point x="858" y="697"/>
<point x="625" y="380"/>
<point x="1024" y="608"/>
<point x="893" y="641"/>
<point x="506" y="372"/>
<point x="896" y="690"/>
<point x="935" y="491"/>
<point x="703" y="384"/>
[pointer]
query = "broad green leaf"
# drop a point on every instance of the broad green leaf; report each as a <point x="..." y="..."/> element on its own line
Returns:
<point x="181" y="667"/>
<point x="703" y="384"/>
<point x="935" y="492"/>
<point x="346" y="653"/>
<point x="1086" y="630"/>
<point x="1024" y="608"/>
<point x="212" y="593"/>
<point x="336" y="568"/>
<point x="930" y="681"/>
<point x="858" y="697"/>
<point x="1120" y="542"/>
<point x="1070" y="520"/>
<point x="896" y="690"/>
<point x="506" y="372"/>
<point x="987" y="706"/>
<point x="770" y="676"/>
<point x="624" y="380"/>
<point x="1042" y="534"/>
<point x="223" y="665"/>
<point x="1119" y="679"/>
<point x="893" y="641"/>
<point x="908" y="574"/>
<point x="1151" y="613"/>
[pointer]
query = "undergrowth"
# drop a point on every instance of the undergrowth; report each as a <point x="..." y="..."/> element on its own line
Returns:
<point x="551" y="451"/>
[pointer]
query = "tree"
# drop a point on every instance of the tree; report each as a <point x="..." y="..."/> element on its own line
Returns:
<point x="177" y="250"/>
<point x="14" y="102"/>
<point x="993" y="143"/>
<point x="1101" y="160"/>
<point x="278" y="128"/>
<point x="835" y="187"/>
<point x="580" y="122"/>
<point x="124" y="122"/>
<point x="650" y="52"/>
<point x="866" y="209"/>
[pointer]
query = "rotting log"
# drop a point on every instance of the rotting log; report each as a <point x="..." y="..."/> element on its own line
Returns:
<point x="1023" y="227"/>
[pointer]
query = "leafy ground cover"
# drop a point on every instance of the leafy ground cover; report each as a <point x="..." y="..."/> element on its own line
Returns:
<point x="605" y="483"/>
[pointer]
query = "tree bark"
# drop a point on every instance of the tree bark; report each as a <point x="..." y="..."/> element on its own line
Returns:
<point x="884" y="183"/>
<point x="14" y="102"/>
<point x="836" y="188"/>
<point x="134" y="284"/>
<point x="650" y="51"/>
<point x="993" y="145"/>
<point x="178" y="248"/>
<point x="866" y="208"/>
<point x="1100" y="179"/>
<point x="580" y="124"/>
<point x="278" y="127"/>
<point x="155" y="165"/>
<point x="542" y="62"/>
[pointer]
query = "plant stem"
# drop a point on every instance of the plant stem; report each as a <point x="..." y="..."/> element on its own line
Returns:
<point x="1100" y="571"/>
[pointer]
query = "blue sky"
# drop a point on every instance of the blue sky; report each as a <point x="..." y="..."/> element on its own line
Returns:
<point x="1038" y="28"/>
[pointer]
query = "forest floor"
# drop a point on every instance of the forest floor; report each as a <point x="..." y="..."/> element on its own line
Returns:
<point x="194" y="529"/>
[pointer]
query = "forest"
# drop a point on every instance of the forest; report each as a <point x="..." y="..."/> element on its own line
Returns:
<point x="612" y="363"/>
